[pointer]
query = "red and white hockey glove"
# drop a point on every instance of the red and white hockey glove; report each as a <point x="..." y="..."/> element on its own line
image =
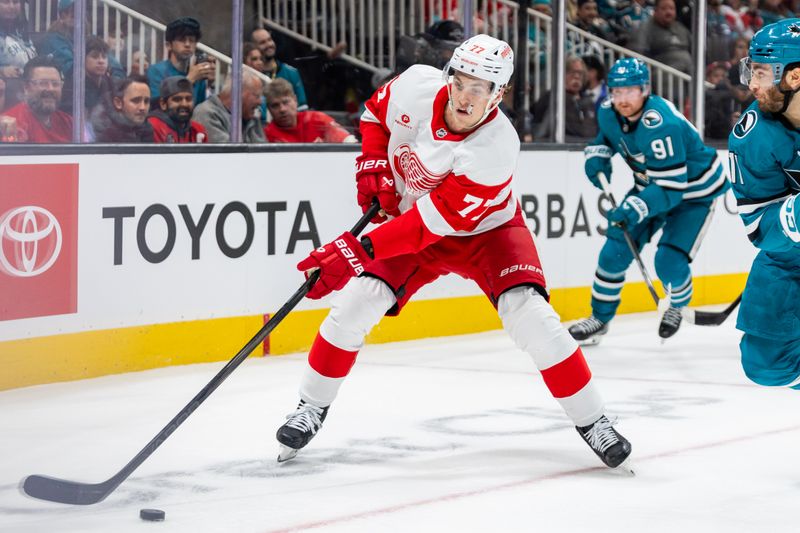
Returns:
<point x="374" y="179"/>
<point x="338" y="261"/>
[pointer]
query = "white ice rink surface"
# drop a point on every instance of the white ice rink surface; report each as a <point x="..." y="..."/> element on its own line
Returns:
<point x="455" y="434"/>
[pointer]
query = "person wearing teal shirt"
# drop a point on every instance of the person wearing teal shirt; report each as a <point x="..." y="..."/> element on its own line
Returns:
<point x="182" y="36"/>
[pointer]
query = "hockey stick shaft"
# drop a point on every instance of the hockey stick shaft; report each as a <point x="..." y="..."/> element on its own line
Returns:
<point x="64" y="491"/>
<point x="628" y="239"/>
<point x="700" y="318"/>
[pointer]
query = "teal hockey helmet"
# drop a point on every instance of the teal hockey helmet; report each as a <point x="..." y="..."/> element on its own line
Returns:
<point x="777" y="45"/>
<point x="628" y="72"/>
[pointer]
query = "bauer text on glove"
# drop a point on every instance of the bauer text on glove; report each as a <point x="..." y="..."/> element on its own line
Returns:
<point x="374" y="179"/>
<point x="337" y="261"/>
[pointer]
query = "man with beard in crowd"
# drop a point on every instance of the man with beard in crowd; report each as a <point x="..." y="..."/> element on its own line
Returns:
<point x="38" y="118"/>
<point x="125" y="120"/>
<point x="277" y="69"/>
<point x="172" y="121"/>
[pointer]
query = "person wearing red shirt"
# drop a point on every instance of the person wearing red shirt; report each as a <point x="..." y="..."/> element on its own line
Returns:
<point x="172" y="121"/>
<point x="38" y="119"/>
<point x="291" y="126"/>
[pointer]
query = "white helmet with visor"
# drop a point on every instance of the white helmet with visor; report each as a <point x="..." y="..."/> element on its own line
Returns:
<point x="486" y="58"/>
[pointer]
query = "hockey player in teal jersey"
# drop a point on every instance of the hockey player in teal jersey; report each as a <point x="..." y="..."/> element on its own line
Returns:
<point x="764" y="153"/>
<point x="677" y="180"/>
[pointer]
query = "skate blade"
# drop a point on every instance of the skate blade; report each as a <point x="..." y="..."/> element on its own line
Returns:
<point x="285" y="453"/>
<point x="591" y="341"/>
<point x="626" y="467"/>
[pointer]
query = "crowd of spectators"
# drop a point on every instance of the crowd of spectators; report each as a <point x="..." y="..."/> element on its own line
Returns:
<point x="127" y="103"/>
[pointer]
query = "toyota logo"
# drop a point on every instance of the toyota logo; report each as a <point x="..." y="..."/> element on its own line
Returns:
<point x="30" y="241"/>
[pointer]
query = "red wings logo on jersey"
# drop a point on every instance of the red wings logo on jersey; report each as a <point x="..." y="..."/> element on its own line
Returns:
<point x="416" y="176"/>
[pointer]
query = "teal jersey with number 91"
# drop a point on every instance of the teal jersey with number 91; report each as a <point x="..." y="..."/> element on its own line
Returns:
<point x="665" y="149"/>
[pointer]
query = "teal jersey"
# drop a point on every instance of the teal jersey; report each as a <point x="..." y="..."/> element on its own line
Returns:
<point x="669" y="160"/>
<point x="764" y="157"/>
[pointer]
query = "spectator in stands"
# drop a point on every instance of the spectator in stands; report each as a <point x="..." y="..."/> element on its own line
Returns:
<point x="596" y="86"/>
<point x="214" y="114"/>
<point x="98" y="76"/>
<point x="742" y="96"/>
<point x="588" y="19"/>
<point x="629" y="17"/>
<point x="172" y="121"/>
<point x="58" y="42"/>
<point x="38" y="118"/>
<point x="774" y="10"/>
<point x="581" y="115"/>
<point x="139" y="63"/>
<point x="253" y="57"/>
<point x="291" y="126"/>
<point x="125" y="120"/>
<point x="719" y="33"/>
<point x="16" y="48"/>
<point x="276" y="69"/>
<point x="751" y="18"/>
<point x="720" y="104"/>
<point x="181" y="40"/>
<point x="664" y="39"/>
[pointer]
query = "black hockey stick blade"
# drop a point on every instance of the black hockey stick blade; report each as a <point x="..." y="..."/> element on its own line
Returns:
<point x="77" y="493"/>
<point x="710" y="318"/>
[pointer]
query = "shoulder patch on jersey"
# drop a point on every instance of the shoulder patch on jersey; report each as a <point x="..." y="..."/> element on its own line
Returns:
<point x="652" y="119"/>
<point x="745" y="124"/>
<point x="606" y="103"/>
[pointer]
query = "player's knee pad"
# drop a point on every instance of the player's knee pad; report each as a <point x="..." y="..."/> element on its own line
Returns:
<point x="672" y="266"/>
<point x="770" y="362"/>
<point x="615" y="256"/>
<point x="355" y="311"/>
<point x="534" y="326"/>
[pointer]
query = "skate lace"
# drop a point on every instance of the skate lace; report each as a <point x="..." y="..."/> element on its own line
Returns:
<point x="601" y="435"/>
<point x="305" y="418"/>
<point x="672" y="317"/>
<point x="589" y="325"/>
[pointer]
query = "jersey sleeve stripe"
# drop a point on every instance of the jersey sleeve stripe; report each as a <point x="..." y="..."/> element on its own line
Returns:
<point x="432" y="218"/>
<point x="668" y="173"/>
<point x="707" y="175"/>
<point x="708" y="191"/>
<point x="369" y="116"/>
<point x="670" y="184"/>
<point x="748" y="201"/>
<point x="747" y="208"/>
<point x="752" y="227"/>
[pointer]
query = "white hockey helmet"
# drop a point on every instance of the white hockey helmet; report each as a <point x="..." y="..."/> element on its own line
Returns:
<point x="485" y="58"/>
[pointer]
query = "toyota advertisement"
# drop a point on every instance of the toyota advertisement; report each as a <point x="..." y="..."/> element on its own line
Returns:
<point x="101" y="241"/>
<point x="38" y="240"/>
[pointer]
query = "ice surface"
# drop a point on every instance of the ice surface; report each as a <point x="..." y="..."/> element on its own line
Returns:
<point x="451" y="434"/>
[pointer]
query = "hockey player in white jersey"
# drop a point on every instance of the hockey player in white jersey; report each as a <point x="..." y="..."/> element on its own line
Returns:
<point x="439" y="158"/>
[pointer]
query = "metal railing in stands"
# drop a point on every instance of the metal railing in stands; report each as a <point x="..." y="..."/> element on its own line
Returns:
<point x="371" y="29"/>
<point x="108" y="18"/>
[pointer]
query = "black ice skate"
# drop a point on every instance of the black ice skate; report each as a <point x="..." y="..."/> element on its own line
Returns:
<point x="300" y="428"/>
<point x="670" y="322"/>
<point x="588" y="331"/>
<point x="611" y="447"/>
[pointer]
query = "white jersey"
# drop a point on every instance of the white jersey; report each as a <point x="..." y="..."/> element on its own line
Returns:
<point x="460" y="183"/>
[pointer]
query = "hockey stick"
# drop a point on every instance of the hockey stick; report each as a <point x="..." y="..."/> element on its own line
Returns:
<point x="77" y="493"/>
<point x="700" y="318"/>
<point x="628" y="239"/>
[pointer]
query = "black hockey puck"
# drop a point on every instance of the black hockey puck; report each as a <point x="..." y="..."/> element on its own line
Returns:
<point x="153" y="515"/>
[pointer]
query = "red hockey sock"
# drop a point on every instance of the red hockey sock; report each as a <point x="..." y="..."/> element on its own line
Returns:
<point x="567" y="377"/>
<point x="330" y="361"/>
